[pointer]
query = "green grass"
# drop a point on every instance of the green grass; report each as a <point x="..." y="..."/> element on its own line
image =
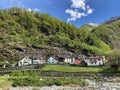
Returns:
<point x="3" y="78"/>
<point x="5" y="83"/>
<point x="71" y="68"/>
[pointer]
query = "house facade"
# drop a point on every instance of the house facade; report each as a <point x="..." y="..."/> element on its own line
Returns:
<point x="42" y="61"/>
<point x="25" y="61"/>
<point x="73" y="60"/>
<point x="61" y="60"/>
<point x="94" y="61"/>
<point x="77" y="61"/>
<point x="35" y="61"/>
<point x="52" y="60"/>
<point x="31" y="61"/>
<point x="68" y="59"/>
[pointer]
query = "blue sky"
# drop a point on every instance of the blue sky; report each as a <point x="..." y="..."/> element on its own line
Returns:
<point x="77" y="12"/>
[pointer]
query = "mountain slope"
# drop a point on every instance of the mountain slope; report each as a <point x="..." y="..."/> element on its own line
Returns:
<point x="33" y="33"/>
<point x="109" y="33"/>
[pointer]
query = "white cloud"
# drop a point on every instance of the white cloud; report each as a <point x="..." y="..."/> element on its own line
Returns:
<point x="89" y="10"/>
<point x="74" y="14"/>
<point x="78" y="4"/>
<point x="78" y="9"/>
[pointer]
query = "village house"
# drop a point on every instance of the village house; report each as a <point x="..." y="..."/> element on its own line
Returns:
<point x="61" y="60"/>
<point x="42" y="61"/>
<point x="35" y="60"/>
<point x="77" y="61"/>
<point x="104" y="60"/>
<point x="52" y="60"/>
<point x="25" y="61"/>
<point x="31" y="61"/>
<point x="83" y="60"/>
<point x="73" y="60"/>
<point x="94" y="61"/>
<point x="68" y="59"/>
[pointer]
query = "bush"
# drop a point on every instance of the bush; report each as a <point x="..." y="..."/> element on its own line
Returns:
<point x="58" y="82"/>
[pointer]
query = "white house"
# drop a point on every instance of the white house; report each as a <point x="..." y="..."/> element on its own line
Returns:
<point x="94" y="61"/>
<point x="35" y="61"/>
<point x="30" y="60"/>
<point x="52" y="60"/>
<point x="68" y="59"/>
<point x="25" y="61"/>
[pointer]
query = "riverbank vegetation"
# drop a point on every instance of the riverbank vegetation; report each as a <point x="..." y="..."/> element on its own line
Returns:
<point x="5" y="83"/>
<point x="37" y="77"/>
<point x="47" y="81"/>
<point x="114" y="59"/>
<point x="31" y="78"/>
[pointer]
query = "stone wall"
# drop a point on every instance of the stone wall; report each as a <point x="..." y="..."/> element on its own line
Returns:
<point x="28" y="67"/>
<point x="59" y="74"/>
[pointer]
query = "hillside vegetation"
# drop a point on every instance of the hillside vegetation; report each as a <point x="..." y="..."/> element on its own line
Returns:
<point x="109" y="33"/>
<point x="21" y="28"/>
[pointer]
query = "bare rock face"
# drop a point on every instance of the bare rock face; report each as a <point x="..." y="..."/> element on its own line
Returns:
<point x="42" y="52"/>
<point x="112" y="19"/>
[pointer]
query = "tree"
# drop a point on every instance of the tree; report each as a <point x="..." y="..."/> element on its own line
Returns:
<point x="114" y="58"/>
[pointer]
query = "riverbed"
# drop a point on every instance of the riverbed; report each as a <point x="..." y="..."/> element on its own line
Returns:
<point x="93" y="85"/>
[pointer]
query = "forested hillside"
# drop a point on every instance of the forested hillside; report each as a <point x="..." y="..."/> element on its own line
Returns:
<point x="21" y="29"/>
<point x="110" y="33"/>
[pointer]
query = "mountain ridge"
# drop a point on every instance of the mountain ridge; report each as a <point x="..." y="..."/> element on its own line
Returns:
<point x="112" y="19"/>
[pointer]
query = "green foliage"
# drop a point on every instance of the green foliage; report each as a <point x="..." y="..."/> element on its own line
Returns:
<point x="37" y="80"/>
<point x="26" y="29"/>
<point x="109" y="33"/>
<point x="71" y="68"/>
<point x="4" y="85"/>
<point x="35" y="88"/>
<point x="114" y="59"/>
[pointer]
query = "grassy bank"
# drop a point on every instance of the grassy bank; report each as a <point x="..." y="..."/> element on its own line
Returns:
<point x="31" y="78"/>
<point x="5" y="83"/>
<point x="71" y="68"/>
